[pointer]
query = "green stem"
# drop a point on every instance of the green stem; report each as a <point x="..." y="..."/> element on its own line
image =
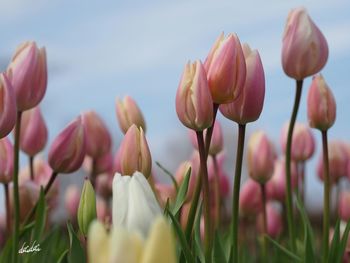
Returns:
<point x="16" y="188"/>
<point x="264" y="240"/>
<point x="236" y="190"/>
<point x="31" y="167"/>
<point x="289" y="205"/>
<point x="7" y="205"/>
<point x="326" y="196"/>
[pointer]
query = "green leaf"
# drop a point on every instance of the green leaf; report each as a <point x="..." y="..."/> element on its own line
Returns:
<point x="182" y="194"/>
<point x="343" y="242"/>
<point x="183" y="242"/>
<point x="76" y="252"/>
<point x="218" y="253"/>
<point x="335" y="243"/>
<point x="282" y="249"/>
<point x="197" y="234"/>
<point x="40" y="217"/>
<point x="171" y="176"/>
<point x="63" y="256"/>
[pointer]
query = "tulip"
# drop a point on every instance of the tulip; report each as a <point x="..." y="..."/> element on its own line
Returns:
<point x="33" y="134"/>
<point x="274" y="221"/>
<point x="7" y="107"/>
<point x="6" y="160"/>
<point x="67" y="151"/>
<point x="71" y="200"/>
<point x="98" y="139"/>
<point x="250" y="202"/>
<point x="261" y="157"/>
<point x="128" y="113"/>
<point x="305" y="49"/>
<point x="249" y="104"/>
<point x="216" y="143"/>
<point x="303" y="142"/>
<point x="226" y="69"/>
<point x="343" y="206"/>
<point x="134" y="154"/>
<point x="194" y="105"/>
<point x="134" y="203"/>
<point x="103" y="164"/>
<point x="28" y="75"/>
<point x="321" y="106"/>
<point x="87" y="207"/>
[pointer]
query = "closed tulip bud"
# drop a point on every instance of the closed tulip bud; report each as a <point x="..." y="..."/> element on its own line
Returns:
<point x="128" y="113"/>
<point x="226" y="69"/>
<point x="87" y="207"/>
<point x="67" y="151"/>
<point x="134" y="154"/>
<point x="249" y="104"/>
<point x="304" y="49"/>
<point x="261" y="157"/>
<point x="194" y="105"/>
<point x="134" y="203"/>
<point x="321" y="106"/>
<point x="250" y="202"/>
<point x="343" y="206"/>
<point x="7" y="107"/>
<point x="274" y="221"/>
<point x="6" y="161"/>
<point x="98" y="244"/>
<point x="98" y="139"/>
<point x="303" y="142"/>
<point x="28" y="75"/>
<point x="33" y="135"/>
<point x="71" y="201"/>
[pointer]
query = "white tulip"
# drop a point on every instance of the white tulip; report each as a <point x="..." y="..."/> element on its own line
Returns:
<point x="135" y="206"/>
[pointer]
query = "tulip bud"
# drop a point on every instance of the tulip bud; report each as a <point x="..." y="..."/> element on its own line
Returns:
<point x="6" y="160"/>
<point x="67" y="151"/>
<point x="8" y="106"/>
<point x="28" y="75"/>
<point x="250" y="202"/>
<point x="33" y="135"/>
<point x="343" y="206"/>
<point x="321" y="106"/>
<point x="249" y="104"/>
<point x="87" y="207"/>
<point x="128" y="113"/>
<point x="216" y="143"/>
<point x="194" y="105"/>
<point x="261" y="157"/>
<point x="98" y="245"/>
<point x="134" y="154"/>
<point x="134" y="203"/>
<point x="305" y="49"/>
<point x="71" y="200"/>
<point x="226" y="69"/>
<point x="98" y="139"/>
<point x="274" y="221"/>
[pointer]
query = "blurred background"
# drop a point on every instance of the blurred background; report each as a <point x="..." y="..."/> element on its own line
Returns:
<point x="100" y="50"/>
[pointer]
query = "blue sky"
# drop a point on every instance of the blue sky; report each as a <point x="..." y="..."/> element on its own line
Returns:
<point x="103" y="49"/>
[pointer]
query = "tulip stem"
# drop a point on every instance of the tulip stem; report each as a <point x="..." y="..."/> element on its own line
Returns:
<point x="217" y="191"/>
<point x="31" y="167"/>
<point x="15" y="188"/>
<point x="302" y="182"/>
<point x="198" y="188"/>
<point x="326" y="196"/>
<point x="7" y="205"/>
<point x="206" y="196"/>
<point x="289" y="200"/>
<point x="236" y="190"/>
<point x="264" y="240"/>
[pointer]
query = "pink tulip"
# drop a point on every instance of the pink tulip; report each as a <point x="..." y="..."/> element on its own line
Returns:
<point x="67" y="151"/>
<point x="338" y="161"/>
<point x="6" y="160"/>
<point x="33" y="135"/>
<point x="217" y="141"/>
<point x="250" y="203"/>
<point x="165" y="192"/>
<point x="261" y="157"/>
<point x="303" y="142"/>
<point x="321" y="106"/>
<point x="305" y="49"/>
<point x="103" y="211"/>
<point x="71" y="200"/>
<point x="343" y="206"/>
<point x="249" y="104"/>
<point x="134" y="154"/>
<point x="104" y="185"/>
<point x="226" y="69"/>
<point x="274" y="221"/>
<point x="103" y="164"/>
<point x="7" y="107"/>
<point x="194" y="105"/>
<point x="128" y="113"/>
<point x="98" y="139"/>
<point x="28" y="75"/>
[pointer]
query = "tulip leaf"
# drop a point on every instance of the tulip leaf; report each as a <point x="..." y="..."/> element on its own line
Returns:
<point x="171" y="176"/>
<point x="76" y="252"/>
<point x="40" y="217"/>
<point x="218" y="252"/>
<point x="63" y="257"/>
<point x="335" y="243"/>
<point x="182" y="194"/>
<point x="197" y="234"/>
<point x="183" y="242"/>
<point x="284" y="250"/>
<point x="343" y="243"/>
